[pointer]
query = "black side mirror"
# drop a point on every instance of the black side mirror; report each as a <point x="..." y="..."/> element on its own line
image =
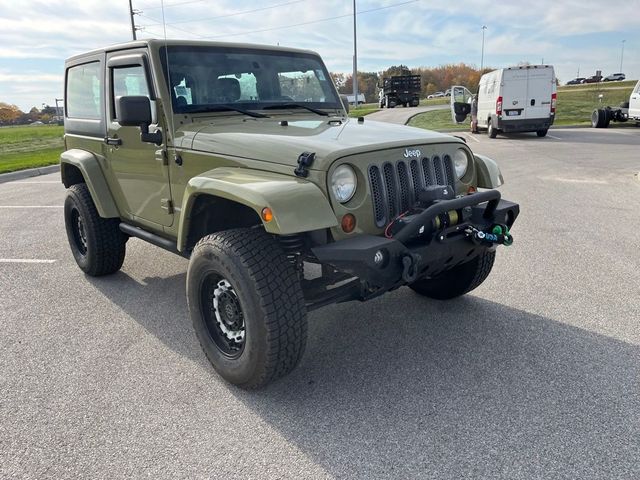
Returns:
<point x="135" y="111"/>
<point x="345" y="102"/>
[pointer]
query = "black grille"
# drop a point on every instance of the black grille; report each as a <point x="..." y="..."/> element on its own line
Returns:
<point x="394" y="186"/>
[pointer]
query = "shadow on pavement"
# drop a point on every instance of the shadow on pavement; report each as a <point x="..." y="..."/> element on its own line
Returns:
<point x="405" y="387"/>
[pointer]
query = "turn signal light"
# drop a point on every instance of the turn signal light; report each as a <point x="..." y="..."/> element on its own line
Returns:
<point x="267" y="214"/>
<point x="348" y="223"/>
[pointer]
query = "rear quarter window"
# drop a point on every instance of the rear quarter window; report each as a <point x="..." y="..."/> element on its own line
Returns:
<point x="83" y="92"/>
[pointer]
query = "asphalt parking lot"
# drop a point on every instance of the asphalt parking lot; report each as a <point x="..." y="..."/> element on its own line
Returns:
<point x="535" y="375"/>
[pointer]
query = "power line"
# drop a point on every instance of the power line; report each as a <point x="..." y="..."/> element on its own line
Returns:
<point x="238" y="13"/>
<point x="282" y="26"/>
<point x="315" y="21"/>
<point x="173" y="4"/>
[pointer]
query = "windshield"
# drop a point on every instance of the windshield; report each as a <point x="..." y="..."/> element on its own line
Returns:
<point x="202" y="78"/>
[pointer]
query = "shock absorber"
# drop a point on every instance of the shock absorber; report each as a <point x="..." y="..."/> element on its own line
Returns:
<point x="293" y="245"/>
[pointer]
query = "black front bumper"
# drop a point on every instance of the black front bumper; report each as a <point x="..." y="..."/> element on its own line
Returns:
<point x="382" y="263"/>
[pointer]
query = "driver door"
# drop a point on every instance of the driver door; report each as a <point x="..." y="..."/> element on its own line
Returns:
<point x="139" y="170"/>
<point x="634" y="102"/>
<point x="460" y="103"/>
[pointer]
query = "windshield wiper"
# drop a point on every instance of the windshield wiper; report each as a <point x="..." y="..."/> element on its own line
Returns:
<point x="226" y="108"/>
<point x="283" y="106"/>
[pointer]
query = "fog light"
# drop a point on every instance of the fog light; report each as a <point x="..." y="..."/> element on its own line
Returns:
<point x="348" y="223"/>
<point x="267" y="214"/>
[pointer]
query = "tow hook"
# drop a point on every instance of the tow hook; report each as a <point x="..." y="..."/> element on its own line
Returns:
<point x="499" y="234"/>
<point x="410" y="263"/>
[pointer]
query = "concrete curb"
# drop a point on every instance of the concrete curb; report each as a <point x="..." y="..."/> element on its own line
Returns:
<point x="30" y="172"/>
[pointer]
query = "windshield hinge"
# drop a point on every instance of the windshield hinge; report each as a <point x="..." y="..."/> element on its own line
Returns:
<point x="166" y="204"/>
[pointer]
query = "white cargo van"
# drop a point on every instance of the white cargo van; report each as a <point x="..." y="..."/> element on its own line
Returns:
<point x="514" y="99"/>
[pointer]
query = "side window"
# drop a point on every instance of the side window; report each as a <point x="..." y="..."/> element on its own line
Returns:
<point x="247" y="83"/>
<point x="127" y="81"/>
<point x="302" y="86"/>
<point x="130" y="81"/>
<point x="83" y="92"/>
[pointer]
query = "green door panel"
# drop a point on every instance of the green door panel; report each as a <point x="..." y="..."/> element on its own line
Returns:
<point x="489" y="175"/>
<point x="297" y="205"/>
<point x="88" y="164"/>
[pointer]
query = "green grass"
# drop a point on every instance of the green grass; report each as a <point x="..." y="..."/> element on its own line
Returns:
<point x="29" y="147"/>
<point x="574" y="106"/>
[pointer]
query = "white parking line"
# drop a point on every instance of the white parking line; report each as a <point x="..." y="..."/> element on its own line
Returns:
<point x="25" y="260"/>
<point x="555" y="138"/>
<point x="31" y="206"/>
<point x="468" y="135"/>
<point x="33" y="181"/>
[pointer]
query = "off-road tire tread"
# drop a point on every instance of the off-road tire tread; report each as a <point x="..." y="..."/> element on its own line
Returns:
<point x="279" y="294"/>
<point x="110" y="245"/>
<point x="458" y="281"/>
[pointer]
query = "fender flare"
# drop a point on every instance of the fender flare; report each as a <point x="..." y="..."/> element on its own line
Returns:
<point x="89" y="166"/>
<point x="297" y="204"/>
<point x="488" y="172"/>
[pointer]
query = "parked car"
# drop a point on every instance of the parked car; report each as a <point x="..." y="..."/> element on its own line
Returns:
<point x="593" y="79"/>
<point x="447" y="92"/>
<point x="515" y="99"/>
<point x="436" y="95"/>
<point x="576" y="81"/>
<point x="615" y="77"/>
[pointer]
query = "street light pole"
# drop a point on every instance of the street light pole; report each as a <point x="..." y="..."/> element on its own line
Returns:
<point x="133" y="25"/>
<point x="621" y="56"/>
<point x="355" y="59"/>
<point x="484" y="27"/>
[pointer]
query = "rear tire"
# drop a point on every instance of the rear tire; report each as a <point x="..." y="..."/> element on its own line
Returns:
<point x="97" y="244"/>
<point x="599" y="118"/>
<point x="491" y="131"/>
<point x="542" y="133"/>
<point x="457" y="281"/>
<point x="247" y="306"/>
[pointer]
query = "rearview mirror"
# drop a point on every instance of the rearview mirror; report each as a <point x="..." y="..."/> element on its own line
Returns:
<point x="345" y="102"/>
<point x="135" y="111"/>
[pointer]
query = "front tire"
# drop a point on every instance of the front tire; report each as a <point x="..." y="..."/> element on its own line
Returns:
<point x="457" y="281"/>
<point x="97" y="244"/>
<point x="542" y="133"/>
<point x="247" y="306"/>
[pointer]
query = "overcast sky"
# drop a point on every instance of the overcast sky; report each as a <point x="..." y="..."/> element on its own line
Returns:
<point x="36" y="36"/>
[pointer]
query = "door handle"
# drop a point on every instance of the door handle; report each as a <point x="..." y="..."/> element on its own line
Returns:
<point x="112" y="141"/>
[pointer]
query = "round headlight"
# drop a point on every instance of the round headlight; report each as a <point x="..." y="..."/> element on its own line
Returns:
<point x="343" y="183"/>
<point x="461" y="162"/>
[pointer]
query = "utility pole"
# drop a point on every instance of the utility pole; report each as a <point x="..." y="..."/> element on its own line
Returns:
<point x="484" y="27"/>
<point x="355" y="59"/>
<point x="133" y="25"/>
<point x="621" y="56"/>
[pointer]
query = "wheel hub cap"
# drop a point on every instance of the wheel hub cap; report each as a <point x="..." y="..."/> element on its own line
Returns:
<point x="228" y="312"/>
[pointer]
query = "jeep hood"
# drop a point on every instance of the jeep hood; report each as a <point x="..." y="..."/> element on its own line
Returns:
<point x="282" y="142"/>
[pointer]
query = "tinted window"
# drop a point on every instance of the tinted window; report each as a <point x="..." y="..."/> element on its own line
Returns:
<point x="83" y="91"/>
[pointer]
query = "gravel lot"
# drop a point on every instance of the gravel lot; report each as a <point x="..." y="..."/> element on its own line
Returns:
<point x="535" y="375"/>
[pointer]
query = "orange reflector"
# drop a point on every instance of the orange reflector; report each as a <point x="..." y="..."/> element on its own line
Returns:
<point x="472" y="189"/>
<point x="348" y="223"/>
<point x="267" y="214"/>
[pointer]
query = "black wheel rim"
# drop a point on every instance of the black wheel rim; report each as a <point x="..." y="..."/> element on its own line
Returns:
<point x="223" y="315"/>
<point x="79" y="232"/>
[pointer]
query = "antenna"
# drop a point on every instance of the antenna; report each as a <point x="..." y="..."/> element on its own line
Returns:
<point x="168" y="109"/>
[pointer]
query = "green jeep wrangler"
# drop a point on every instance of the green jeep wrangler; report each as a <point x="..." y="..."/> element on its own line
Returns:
<point x="242" y="159"/>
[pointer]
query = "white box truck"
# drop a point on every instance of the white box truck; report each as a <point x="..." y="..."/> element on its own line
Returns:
<point x="514" y="99"/>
